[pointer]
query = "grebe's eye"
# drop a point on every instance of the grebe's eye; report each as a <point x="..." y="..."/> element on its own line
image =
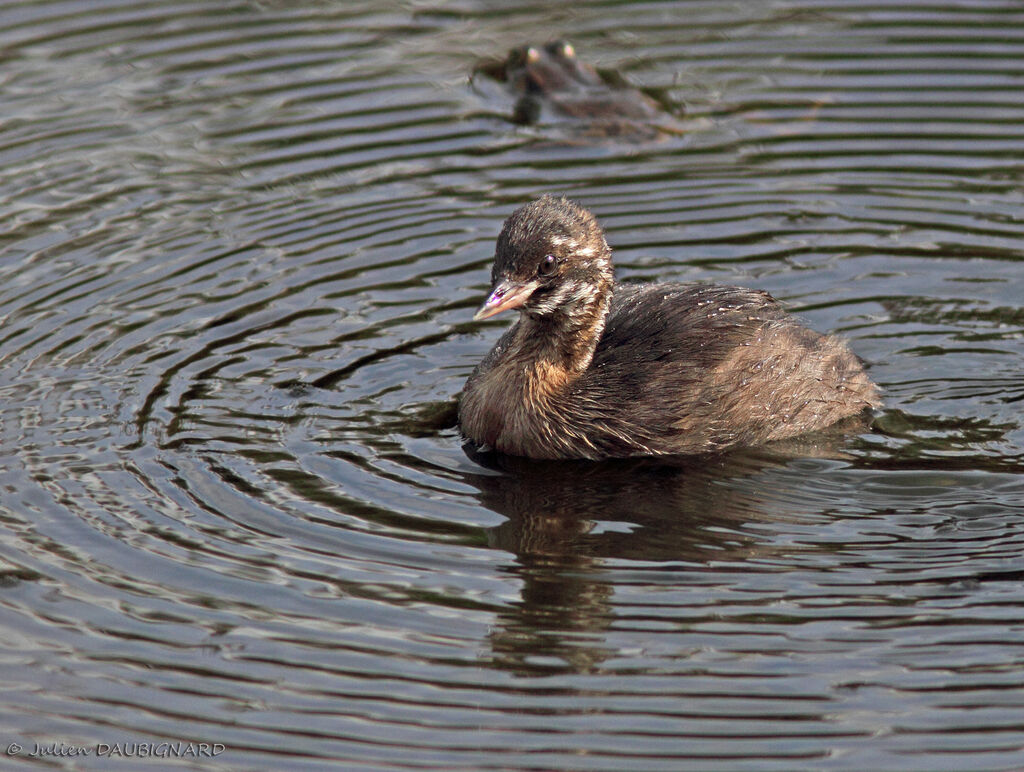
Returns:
<point x="547" y="266"/>
<point x="563" y="48"/>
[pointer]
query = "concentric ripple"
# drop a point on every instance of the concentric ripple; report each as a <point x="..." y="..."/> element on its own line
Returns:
<point x="241" y="247"/>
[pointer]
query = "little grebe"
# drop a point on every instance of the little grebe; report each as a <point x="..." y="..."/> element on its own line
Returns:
<point x="597" y="370"/>
<point x="551" y="81"/>
<point x="552" y="74"/>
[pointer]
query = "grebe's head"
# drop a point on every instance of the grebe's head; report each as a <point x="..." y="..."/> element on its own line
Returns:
<point x="551" y="257"/>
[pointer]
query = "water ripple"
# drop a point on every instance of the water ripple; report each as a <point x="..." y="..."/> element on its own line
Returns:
<point x="241" y="248"/>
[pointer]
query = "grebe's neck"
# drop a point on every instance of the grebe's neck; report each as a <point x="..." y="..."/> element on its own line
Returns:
<point x="565" y="338"/>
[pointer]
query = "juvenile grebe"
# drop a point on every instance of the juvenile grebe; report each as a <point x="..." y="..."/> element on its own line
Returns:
<point x="593" y="369"/>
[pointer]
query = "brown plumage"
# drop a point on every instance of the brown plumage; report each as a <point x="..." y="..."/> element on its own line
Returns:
<point x="597" y="370"/>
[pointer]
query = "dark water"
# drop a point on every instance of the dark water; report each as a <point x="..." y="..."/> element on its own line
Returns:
<point x="241" y="246"/>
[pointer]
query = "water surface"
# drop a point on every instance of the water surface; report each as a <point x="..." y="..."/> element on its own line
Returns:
<point x="241" y="246"/>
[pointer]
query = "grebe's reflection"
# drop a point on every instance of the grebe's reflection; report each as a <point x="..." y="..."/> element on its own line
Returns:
<point x="571" y="524"/>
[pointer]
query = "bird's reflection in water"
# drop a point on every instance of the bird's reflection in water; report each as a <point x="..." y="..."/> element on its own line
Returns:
<point x="567" y="520"/>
